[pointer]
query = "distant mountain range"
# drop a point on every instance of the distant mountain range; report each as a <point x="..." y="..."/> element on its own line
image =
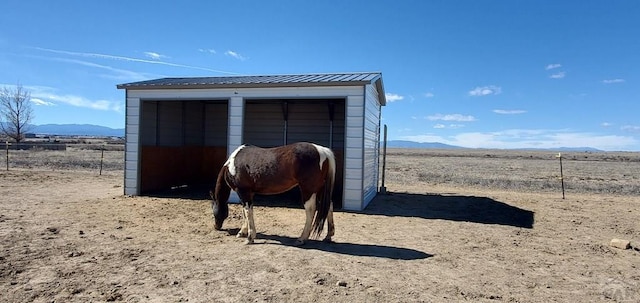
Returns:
<point x="436" y="145"/>
<point x="412" y="144"/>
<point x="77" y="130"/>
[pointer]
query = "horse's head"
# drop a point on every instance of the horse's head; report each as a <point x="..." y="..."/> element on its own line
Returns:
<point x="220" y="211"/>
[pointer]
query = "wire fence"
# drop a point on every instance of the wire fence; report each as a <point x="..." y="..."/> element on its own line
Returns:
<point x="98" y="158"/>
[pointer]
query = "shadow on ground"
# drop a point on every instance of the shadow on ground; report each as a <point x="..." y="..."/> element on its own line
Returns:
<point x="352" y="249"/>
<point x="428" y="206"/>
<point x="450" y="207"/>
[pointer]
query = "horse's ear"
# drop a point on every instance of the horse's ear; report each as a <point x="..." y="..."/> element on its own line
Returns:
<point x="212" y="195"/>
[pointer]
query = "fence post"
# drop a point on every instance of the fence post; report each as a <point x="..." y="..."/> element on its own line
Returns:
<point x="6" y="144"/>
<point x="101" y="158"/>
<point x="559" y="156"/>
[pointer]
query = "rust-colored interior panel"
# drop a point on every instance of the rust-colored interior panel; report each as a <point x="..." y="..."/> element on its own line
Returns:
<point x="165" y="167"/>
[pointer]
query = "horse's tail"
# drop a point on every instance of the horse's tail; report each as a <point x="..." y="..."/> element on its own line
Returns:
<point x="323" y="202"/>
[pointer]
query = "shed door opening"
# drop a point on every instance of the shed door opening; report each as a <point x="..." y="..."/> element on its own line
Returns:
<point x="183" y="143"/>
<point x="270" y="123"/>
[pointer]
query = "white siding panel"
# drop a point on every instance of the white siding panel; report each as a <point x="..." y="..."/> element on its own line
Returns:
<point x="132" y="134"/>
<point x="235" y="131"/>
<point x="352" y="200"/>
<point x="353" y="152"/>
<point x="371" y="144"/>
<point x="354" y="132"/>
<point x="353" y="162"/>
<point x="132" y="147"/>
<point x="133" y="111"/>
<point x="236" y="112"/>
<point x="130" y="174"/>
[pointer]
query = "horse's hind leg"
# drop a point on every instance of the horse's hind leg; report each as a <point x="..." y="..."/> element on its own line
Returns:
<point x="331" y="228"/>
<point x="310" y="211"/>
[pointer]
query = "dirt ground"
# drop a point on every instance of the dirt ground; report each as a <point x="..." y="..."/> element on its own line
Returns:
<point x="74" y="237"/>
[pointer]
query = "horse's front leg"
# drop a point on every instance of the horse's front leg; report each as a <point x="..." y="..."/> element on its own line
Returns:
<point x="248" y="228"/>
<point x="245" y="224"/>
<point x="310" y="211"/>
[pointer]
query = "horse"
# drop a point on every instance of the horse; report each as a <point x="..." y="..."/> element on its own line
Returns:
<point x="251" y="170"/>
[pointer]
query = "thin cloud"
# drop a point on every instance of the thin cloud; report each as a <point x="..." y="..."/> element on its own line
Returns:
<point x="631" y="128"/>
<point x="129" y="59"/>
<point x="485" y="91"/>
<point x="208" y="50"/>
<point x="606" y="124"/>
<point x="115" y="73"/>
<point x="531" y="138"/>
<point x="558" y="75"/>
<point x="612" y="81"/>
<point x="50" y="96"/>
<point x="429" y="95"/>
<point x="236" y="55"/>
<point x="450" y="126"/>
<point x="509" y="111"/>
<point x="451" y="117"/>
<point x="40" y="102"/>
<point x="553" y="66"/>
<point x="393" y="97"/>
<point x="154" y="56"/>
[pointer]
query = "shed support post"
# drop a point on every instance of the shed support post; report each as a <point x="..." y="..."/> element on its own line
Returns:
<point x="285" y="113"/>
<point x="332" y="107"/>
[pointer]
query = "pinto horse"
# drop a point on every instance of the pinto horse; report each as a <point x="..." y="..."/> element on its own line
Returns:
<point x="253" y="170"/>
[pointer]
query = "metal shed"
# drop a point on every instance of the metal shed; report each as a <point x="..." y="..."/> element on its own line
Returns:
<point x="179" y="131"/>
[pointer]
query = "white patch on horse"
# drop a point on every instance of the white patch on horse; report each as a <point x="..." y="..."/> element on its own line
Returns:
<point x="323" y="152"/>
<point x="230" y="164"/>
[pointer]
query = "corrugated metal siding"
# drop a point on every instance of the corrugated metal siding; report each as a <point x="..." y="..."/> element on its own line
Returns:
<point x="308" y="122"/>
<point x="148" y="131"/>
<point x="371" y="145"/>
<point x="169" y="127"/>
<point x="132" y="146"/>
<point x="263" y="124"/>
<point x="215" y="124"/>
<point x="193" y="123"/>
<point x="354" y="153"/>
<point x="236" y="112"/>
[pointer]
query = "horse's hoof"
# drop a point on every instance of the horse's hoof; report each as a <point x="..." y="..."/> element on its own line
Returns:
<point x="298" y="242"/>
<point x="248" y="242"/>
<point x="327" y="240"/>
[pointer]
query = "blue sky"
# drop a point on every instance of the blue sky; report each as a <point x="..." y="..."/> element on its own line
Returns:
<point x="490" y="74"/>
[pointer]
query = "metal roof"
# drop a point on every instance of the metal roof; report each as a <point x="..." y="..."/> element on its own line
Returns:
<point x="335" y="79"/>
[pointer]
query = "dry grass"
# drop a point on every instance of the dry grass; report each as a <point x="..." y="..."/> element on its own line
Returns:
<point x="615" y="173"/>
<point x="524" y="171"/>
<point x="76" y="157"/>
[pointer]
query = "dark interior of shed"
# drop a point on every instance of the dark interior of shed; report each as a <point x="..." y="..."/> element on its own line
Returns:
<point x="184" y="143"/>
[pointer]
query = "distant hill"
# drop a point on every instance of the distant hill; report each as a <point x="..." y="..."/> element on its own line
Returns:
<point x="77" y="130"/>
<point x="412" y="144"/>
<point x="436" y="145"/>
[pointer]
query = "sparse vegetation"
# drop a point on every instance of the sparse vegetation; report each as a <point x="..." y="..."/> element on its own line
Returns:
<point x="76" y="157"/>
<point x="528" y="171"/>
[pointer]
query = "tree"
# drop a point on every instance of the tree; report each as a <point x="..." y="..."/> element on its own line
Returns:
<point x="15" y="112"/>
